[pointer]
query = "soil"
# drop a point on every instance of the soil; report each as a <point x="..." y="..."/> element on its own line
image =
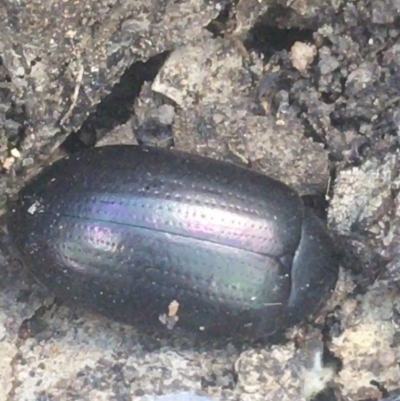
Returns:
<point x="305" y="91"/>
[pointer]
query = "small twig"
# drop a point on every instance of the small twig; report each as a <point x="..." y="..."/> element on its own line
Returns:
<point x="242" y="158"/>
<point x="78" y="83"/>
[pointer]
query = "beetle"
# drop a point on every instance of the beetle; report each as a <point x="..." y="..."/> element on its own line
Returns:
<point x="163" y="237"/>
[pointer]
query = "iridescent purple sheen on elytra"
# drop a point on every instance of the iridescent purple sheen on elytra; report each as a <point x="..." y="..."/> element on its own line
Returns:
<point x="126" y="230"/>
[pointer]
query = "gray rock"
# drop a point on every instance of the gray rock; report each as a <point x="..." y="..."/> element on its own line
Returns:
<point x="61" y="66"/>
<point x="220" y="116"/>
<point x="234" y="97"/>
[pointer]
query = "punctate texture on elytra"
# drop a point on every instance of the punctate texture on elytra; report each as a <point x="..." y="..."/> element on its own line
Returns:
<point x="169" y="238"/>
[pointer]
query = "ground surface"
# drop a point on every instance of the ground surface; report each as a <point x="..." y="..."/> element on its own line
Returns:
<point x="305" y="91"/>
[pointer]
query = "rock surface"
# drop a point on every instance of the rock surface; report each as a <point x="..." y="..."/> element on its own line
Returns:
<point x="59" y="68"/>
<point x="306" y="91"/>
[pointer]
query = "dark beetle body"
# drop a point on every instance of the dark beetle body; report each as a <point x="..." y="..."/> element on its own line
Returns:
<point x="126" y="231"/>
